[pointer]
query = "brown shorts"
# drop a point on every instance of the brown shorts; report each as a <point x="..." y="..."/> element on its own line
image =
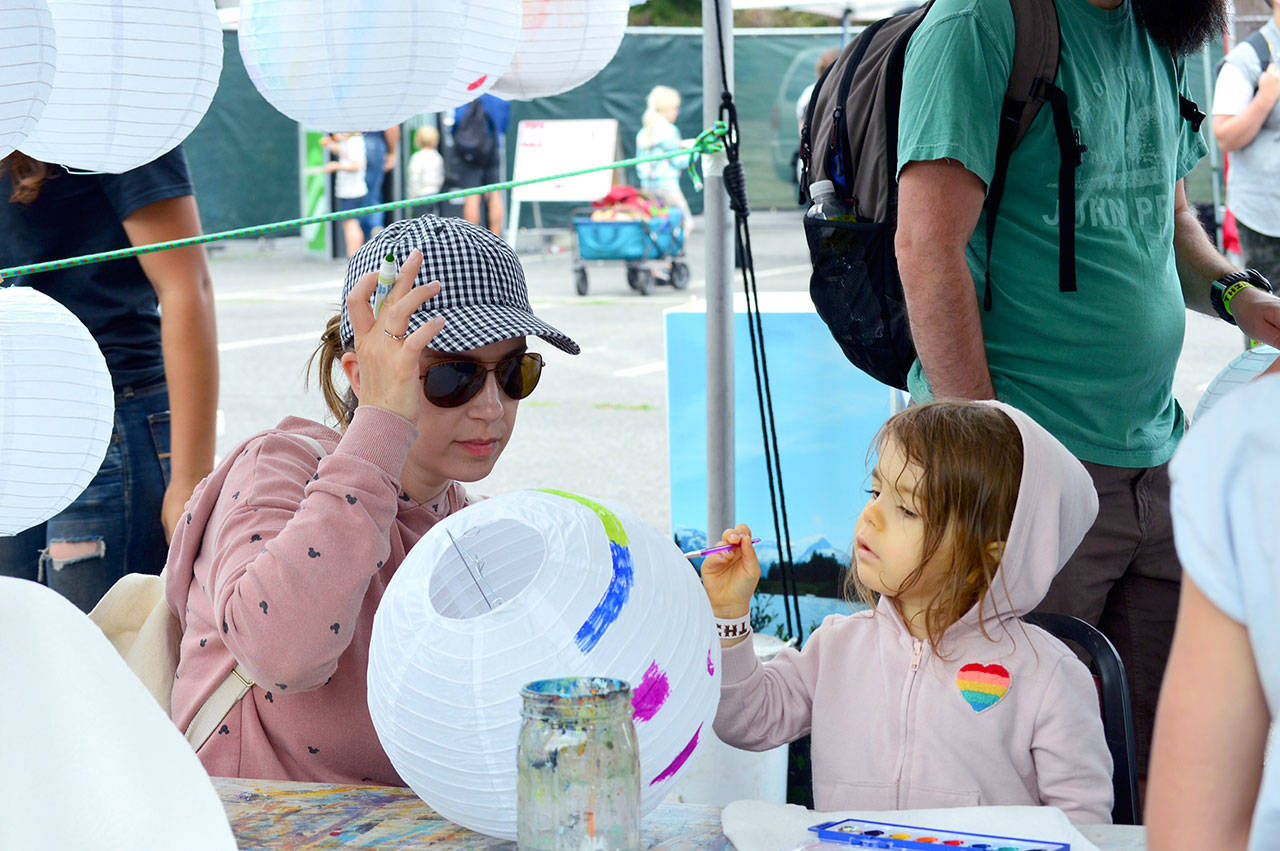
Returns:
<point x="1124" y="579"/>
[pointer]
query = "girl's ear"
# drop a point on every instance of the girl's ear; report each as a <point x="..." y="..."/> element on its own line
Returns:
<point x="995" y="550"/>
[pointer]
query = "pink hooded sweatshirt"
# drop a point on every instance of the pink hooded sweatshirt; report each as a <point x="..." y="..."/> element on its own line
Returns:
<point x="896" y="726"/>
<point x="280" y="563"/>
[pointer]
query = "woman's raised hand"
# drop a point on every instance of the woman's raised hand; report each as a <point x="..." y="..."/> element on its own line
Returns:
<point x="389" y="361"/>
<point x="730" y="578"/>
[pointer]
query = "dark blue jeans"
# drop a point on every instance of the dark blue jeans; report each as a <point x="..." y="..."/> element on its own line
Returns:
<point x="119" y="513"/>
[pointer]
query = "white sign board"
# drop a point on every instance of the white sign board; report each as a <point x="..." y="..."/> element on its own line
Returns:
<point x="555" y="147"/>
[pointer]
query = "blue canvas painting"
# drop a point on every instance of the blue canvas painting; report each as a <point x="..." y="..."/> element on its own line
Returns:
<point x="826" y="413"/>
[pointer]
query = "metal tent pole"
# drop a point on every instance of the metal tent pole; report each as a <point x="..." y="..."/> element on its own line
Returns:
<point x="719" y="276"/>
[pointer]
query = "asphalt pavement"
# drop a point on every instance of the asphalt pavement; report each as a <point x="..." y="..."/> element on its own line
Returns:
<point x="597" y="424"/>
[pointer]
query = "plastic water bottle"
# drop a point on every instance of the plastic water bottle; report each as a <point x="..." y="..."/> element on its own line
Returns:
<point x="827" y="207"/>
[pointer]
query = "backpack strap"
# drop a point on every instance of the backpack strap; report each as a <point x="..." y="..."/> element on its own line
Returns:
<point x="1037" y="48"/>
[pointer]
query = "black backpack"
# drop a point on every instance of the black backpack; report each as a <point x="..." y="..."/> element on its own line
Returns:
<point x="474" y="139"/>
<point x="850" y="137"/>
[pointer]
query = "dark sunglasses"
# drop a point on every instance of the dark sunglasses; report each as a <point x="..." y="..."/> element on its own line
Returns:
<point x="455" y="382"/>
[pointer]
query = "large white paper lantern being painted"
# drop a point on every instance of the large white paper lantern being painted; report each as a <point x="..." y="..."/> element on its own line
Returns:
<point x="563" y="43"/>
<point x="56" y="408"/>
<point x="27" y="57"/>
<point x="1242" y="369"/>
<point x="562" y="586"/>
<point x="133" y="79"/>
<point x="371" y="64"/>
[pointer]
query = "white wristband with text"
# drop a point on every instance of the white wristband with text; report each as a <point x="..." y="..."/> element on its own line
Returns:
<point x="733" y="627"/>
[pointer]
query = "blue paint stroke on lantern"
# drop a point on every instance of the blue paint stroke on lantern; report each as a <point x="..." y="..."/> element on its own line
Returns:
<point x="619" y="590"/>
<point x="680" y="760"/>
<point x="610" y="605"/>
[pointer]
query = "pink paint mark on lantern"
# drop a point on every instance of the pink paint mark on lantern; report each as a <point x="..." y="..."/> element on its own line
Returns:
<point x="711" y="666"/>
<point x="478" y="83"/>
<point x="649" y="696"/>
<point x="680" y="759"/>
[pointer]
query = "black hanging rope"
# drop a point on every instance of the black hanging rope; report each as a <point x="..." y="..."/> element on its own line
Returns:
<point x="735" y="184"/>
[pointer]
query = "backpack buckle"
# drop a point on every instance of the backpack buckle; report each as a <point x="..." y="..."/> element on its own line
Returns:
<point x="1080" y="149"/>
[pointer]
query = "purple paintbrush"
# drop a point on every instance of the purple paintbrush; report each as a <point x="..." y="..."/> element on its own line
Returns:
<point x="710" y="550"/>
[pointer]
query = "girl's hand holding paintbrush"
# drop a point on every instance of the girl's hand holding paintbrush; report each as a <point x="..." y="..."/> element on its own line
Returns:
<point x="730" y="577"/>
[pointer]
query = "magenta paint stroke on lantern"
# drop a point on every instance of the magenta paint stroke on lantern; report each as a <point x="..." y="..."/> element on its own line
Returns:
<point x="679" y="761"/>
<point x="649" y="696"/>
<point x="711" y="666"/>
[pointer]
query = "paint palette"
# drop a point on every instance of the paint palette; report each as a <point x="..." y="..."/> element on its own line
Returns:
<point x="879" y="834"/>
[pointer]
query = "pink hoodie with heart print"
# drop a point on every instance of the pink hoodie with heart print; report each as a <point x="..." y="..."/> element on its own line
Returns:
<point x="896" y="726"/>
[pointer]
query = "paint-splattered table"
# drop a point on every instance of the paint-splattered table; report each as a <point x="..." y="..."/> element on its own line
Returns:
<point x="280" y="814"/>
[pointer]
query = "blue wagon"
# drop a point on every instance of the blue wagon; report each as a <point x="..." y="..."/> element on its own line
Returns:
<point x="633" y="241"/>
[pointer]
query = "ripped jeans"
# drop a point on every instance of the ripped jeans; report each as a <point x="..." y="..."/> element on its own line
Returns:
<point x="113" y="528"/>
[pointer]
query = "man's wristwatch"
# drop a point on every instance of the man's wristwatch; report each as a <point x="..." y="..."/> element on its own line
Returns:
<point x="1223" y="290"/>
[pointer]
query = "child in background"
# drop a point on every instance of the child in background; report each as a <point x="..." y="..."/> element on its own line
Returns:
<point x="349" y="187"/>
<point x="938" y="696"/>
<point x="426" y="168"/>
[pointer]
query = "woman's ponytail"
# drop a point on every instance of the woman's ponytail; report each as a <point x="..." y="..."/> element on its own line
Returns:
<point x="327" y="356"/>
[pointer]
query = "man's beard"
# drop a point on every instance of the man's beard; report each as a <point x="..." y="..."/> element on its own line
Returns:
<point x="1181" y="26"/>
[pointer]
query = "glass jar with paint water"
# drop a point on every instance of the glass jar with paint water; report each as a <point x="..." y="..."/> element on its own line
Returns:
<point x="578" y="766"/>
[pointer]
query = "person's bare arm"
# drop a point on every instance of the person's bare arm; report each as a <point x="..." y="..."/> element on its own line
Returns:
<point x="1199" y="263"/>
<point x="1233" y="132"/>
<point x="188" y="338"/>
<point x="392" y="135"/>
<point x="1206" y="759"/>
<point x="939" y="202"/>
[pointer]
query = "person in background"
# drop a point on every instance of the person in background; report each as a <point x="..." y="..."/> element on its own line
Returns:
<point x="426" y="167"/>
<point x="1246" y="124"/>
<point x="659" y="135"/>
<point x="381" y="148"/>
<point x="349" y="164"/>
<point x="1211" y="785"/>
<point x="153" y="318"/>
<point x="469" y="171"/>
<point x="288" y="546"/>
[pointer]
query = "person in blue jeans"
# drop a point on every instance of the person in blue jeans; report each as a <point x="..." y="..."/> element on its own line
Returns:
<point x="152" y="316"/>
<point x="380" y="148"/>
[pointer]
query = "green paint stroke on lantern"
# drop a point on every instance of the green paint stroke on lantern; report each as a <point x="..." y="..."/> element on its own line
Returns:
<point x="612" y="525"/>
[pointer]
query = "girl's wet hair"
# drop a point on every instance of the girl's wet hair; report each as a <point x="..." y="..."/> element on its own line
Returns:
<point x="970" y="457"/>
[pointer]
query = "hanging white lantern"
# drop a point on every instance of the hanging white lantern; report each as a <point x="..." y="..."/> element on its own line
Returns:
<point x="27" y="57"/>
<point x="56" y="408"/>
<point x="371" y="64"/>
<point x="576" y="588"/>
<point x="489" y="35"/>
<point x="133" y="79"/>
<point x="563" y="43"/>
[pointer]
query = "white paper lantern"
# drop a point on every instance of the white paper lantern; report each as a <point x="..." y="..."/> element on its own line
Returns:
<point x="563" y="43"/>
<point x="27" y="57"/>
<point x="489" y="35"/>
<point x="586" y="590"/>
<point x="56" y="408"/>
<point x="133" y="79"/>
<point x="371" y="64"/>
<point x="1242" y="369"/>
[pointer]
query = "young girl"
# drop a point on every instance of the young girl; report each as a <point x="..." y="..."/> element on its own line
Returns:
<point x="659" y="135"/>
<point x="939" y="696"/>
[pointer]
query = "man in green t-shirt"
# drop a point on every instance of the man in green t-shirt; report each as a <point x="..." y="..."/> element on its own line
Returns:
<point x="1094" y="366"/>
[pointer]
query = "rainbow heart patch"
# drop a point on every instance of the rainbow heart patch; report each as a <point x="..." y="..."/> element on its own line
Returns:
<point x="982" y="686"/>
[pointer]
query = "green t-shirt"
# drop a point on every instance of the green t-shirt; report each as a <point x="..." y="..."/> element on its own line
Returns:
<point x="1094" y="367"/>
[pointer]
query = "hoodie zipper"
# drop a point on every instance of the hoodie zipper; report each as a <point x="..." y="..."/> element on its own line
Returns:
<point x="917" y="654"/>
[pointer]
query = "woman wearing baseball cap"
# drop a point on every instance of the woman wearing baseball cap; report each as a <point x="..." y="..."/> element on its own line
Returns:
<point x="287" y="547"/>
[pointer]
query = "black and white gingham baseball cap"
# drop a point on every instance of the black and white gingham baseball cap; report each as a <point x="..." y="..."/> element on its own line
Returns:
<point x="483" y="296"/>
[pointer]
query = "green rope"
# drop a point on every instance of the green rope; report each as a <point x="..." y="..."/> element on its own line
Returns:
<point x="709" y="142"/>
